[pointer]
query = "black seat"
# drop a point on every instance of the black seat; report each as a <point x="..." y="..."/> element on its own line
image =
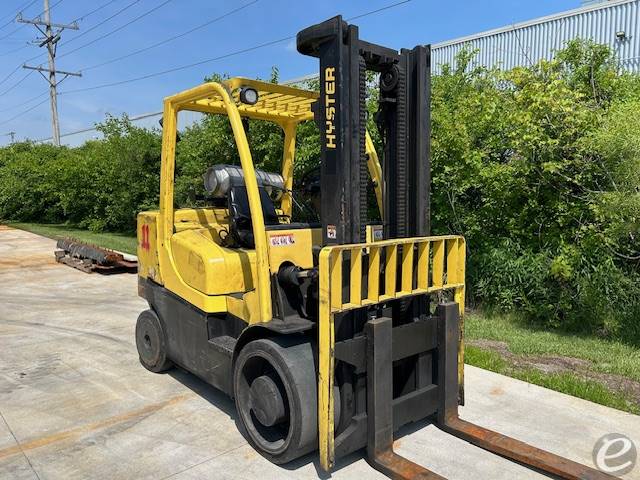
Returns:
<point x="240" y="226"/>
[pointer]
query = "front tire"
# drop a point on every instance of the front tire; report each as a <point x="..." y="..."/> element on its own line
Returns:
<point x="275" y="390"/>
<point x="152" y="343"/>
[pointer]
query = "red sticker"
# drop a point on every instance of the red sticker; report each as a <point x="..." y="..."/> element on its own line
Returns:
<point x="145" y="237"/>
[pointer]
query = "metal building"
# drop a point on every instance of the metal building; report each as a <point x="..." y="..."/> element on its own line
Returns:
<point x="615" y="23"/>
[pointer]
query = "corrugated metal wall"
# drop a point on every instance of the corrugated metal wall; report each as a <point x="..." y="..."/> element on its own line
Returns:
<point x="525" y="43"/>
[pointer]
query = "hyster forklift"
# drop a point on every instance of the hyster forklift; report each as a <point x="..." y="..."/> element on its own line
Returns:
<point x="331" y="335"/>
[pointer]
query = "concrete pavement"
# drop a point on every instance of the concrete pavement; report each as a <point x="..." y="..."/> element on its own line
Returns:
<point x="75" y="403"/>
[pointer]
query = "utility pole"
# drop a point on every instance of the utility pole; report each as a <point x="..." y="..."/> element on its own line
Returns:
<point x="50" y="40"/>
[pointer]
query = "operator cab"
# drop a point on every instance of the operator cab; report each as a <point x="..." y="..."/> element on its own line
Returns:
<point x="226" y="182"/>
<point x="218" y="241"/>
<point x="209" y="253"/>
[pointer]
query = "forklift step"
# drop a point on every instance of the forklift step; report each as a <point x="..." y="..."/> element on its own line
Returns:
<point x="224" y="344"/>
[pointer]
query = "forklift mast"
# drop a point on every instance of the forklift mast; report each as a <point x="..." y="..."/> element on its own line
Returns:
<point x="403" y="121"/>
<point x="406" y="363"/>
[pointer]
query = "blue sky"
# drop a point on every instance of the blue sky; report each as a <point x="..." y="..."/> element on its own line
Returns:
<point x="406" y="25"/>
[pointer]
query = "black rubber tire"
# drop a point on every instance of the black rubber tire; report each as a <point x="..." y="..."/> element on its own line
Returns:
<point x="293" y="362"/>
<point x="152" y="343"/>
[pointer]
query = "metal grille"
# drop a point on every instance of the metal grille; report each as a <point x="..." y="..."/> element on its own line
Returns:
<point x="409" y="266"/>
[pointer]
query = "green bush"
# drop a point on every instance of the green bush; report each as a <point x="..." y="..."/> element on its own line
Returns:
<point x="568" y="289"/>
<point x="538" y="167"/>
<point x="26" y="190"/>
<point x="100" y="185"/>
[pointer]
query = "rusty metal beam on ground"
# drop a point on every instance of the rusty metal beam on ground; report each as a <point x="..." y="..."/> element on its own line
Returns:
<point x="89" y="258"/>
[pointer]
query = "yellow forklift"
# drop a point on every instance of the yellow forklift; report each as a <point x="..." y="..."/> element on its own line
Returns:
<point x="330" y="331"/>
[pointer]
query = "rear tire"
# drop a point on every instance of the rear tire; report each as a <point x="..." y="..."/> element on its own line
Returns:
<point x="275" y="391"/>
<point x="152" y="343"/>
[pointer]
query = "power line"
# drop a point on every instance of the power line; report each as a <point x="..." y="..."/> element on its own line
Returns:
<point x="94" y="128"/>
<point x="24" y="112"/>
<point x="11" y="32"/>
<point x="122" y="10"/>
<point x="16" y="84"/>
<point x="84" y="16"/>
<point x="13" y="15"/>
<point x="79" y="19"/>
<point x="50" y="39"/>
<point x="14" y="50"/>
<point x="175" y="37"/>
<point x="43" y="12"/>
<point x="19" y="17"/>
<point x="95" y="10"/>
<point x="386" y="7"/>
<point x="293" y="81"/>
<point x="14" y="40"/>
<point x="153" y="46"/>
<point x="92" y="28"/>
<point x="22" y="104"/>
<point x="20" y="48"/>
<point x="213" y="59"/>
<point x="183" y="67"/>
<point x="10" y="74"/>
<point x="108" y="34"/>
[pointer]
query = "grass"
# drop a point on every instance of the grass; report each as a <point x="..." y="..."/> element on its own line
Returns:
<point x="606" y="356"/>
<point x="117" y="241"/>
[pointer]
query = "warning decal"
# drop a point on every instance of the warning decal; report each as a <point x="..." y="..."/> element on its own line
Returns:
<point x="282" y="240"/>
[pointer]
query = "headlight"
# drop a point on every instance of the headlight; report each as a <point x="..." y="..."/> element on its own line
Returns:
<point x="248" y="95"/>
